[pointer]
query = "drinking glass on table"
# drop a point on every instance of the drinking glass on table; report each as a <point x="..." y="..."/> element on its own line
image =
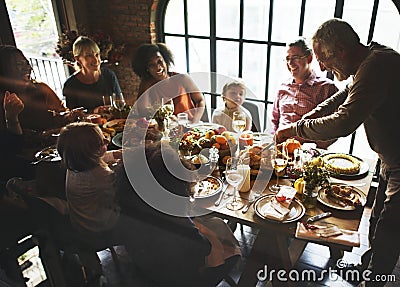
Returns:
<point x="238" y="124"/>
<point x="118" y="102"/>
<point x="234" y="177"/>
<point x="183" y="121"/>
<point x="279" y="161"/>
<point x="167" y="108"/>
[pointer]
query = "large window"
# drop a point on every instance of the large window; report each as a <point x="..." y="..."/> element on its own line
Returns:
<point x="247" y="38"/>
<point x="35" y="34"/>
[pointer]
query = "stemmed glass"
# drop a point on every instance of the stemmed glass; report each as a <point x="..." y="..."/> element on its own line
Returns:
<point x="279" y="161"/>
<point x="238" y="124"/>
<point x="118" y="102"/>
<point x="203" y="170"/>
<point x="167" y="109"/>
<point x="234" y="177"/>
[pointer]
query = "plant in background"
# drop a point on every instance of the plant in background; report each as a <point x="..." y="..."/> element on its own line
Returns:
<point x="110" y="53"/>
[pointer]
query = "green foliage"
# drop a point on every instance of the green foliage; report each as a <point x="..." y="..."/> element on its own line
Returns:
<point x="315" y="176"/>
<point x="34" y="29"/>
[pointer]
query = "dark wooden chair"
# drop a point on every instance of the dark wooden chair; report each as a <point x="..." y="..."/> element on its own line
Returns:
<point x="253" y="109"/>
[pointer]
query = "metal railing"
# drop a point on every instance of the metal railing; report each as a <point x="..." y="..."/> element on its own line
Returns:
<point x="50" y="71"/>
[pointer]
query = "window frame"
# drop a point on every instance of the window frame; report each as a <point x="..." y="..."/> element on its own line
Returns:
<point x="267" y="102"/>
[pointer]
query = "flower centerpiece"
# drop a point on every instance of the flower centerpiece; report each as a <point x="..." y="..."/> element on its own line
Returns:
<point x="110" y="52"/>
<point x="315" y="177"/>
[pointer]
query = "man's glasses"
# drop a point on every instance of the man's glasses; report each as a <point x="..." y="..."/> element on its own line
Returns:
<point x="323" y="61"/>
<point x="294" y="58"/>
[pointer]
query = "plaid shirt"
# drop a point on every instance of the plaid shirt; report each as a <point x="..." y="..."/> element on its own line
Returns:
<point x="295" y="100"/>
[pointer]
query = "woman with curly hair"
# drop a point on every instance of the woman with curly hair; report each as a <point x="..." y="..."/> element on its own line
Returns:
<point x="152" y="63"/>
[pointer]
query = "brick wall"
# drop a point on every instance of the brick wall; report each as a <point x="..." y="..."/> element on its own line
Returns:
<point x="128" y="22"/>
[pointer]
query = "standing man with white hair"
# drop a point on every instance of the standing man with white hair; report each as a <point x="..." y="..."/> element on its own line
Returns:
<point x="372" y="99"/>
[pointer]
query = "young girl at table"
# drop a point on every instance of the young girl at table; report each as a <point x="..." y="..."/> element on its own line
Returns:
<point x="94" y="212"/>
<point x="233" y="95"/>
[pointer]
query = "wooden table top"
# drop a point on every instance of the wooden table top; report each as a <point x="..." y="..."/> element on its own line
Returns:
<point x="344" y="219"/>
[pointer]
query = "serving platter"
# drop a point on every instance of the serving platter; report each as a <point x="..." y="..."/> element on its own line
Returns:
<point x="297" y="209"/>
<point x="210" y="187"/>
<point x="327" y="200"/>
<point x="364" y="169"/>
<point x="117" y="124"/>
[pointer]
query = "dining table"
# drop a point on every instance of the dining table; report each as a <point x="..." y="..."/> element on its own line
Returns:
<point x="276" y="247"/>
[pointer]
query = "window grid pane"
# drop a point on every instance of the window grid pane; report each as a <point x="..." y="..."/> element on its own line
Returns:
<point x="227" y="18"/>
<point x="174" y="17"/>
<point x="198" y="18"/>
<point x="228" y="58"/>
<point x="256" y="19"/>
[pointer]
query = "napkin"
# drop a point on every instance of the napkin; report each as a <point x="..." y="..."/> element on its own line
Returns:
<point x="285" y="195"/>
<point x="347" y="237"/>
<point x="279" y="206"/>
<point x="274" y="210"/>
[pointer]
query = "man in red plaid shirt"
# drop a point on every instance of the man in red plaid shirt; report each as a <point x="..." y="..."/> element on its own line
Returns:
<point x="303" y="91"/>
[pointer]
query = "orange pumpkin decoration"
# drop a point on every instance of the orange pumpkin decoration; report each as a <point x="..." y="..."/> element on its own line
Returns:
<point x="291" y="144"/>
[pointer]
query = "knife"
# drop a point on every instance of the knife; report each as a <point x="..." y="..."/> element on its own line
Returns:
<point x="224" y="188"/>
<point x="319" y="216"/>
<point x="247" y="206"/>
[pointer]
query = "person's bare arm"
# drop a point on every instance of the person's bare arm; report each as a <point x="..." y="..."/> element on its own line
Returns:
<point x="12" y="108"/>
<point x="196" y="96"/>
<point x="199" y="103"/>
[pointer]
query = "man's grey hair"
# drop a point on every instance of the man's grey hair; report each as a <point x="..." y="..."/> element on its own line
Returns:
<point x="335" y="32"/>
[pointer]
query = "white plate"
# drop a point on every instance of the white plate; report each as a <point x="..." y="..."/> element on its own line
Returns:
<point x="332" y="203"/>
<point x="364" y="169"/>
<point x="117" y="140"/>
<point x="205" y="126"/>
<point x="296" y="212"/>
<point x="50" y="153"/>
<point x="212" y="186"/>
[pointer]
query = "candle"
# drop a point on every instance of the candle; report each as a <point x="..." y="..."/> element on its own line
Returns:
<point x="244" y="169"/>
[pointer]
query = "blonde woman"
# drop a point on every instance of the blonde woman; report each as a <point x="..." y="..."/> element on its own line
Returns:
<point x="91" y="86"/>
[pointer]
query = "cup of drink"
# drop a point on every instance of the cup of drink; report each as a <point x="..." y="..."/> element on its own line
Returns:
<point x="246" y="139"/>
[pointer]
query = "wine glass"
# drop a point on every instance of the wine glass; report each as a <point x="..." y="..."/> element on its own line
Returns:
<point x="234" y="177"/>
<point x="204" y="167"/>
<point x="279" y="161"/>
<point x="238" y="124"/>
<point x="118" y="102"/>
<point x="167" y="109"/>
